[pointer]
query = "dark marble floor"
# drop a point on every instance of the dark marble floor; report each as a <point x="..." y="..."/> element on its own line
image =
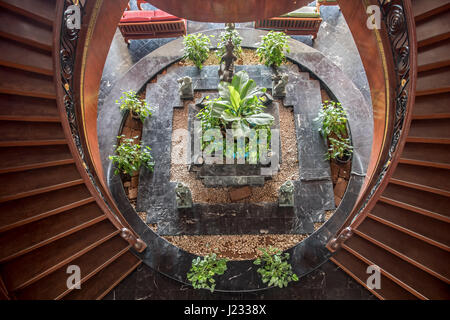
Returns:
<point x="326" y="282"/>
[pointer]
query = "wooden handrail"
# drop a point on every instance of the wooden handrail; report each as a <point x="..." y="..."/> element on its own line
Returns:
<point x="71" y="62"/>
<point x="396" y="42"/>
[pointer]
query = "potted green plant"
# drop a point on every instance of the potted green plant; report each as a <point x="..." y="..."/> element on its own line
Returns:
<point x="196" y="48"/>
<point x="273" y="48"/>
<point x="130" y="101"/>
<point x="202" y="272"/>
<point x="130" y="156"/>
<point x="275" y="269"/>
<point x="239" y="108"/>
<point x="332" y="120"/>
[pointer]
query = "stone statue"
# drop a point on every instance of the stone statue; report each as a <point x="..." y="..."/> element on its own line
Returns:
<point x="186" y="90"/>
<point x="183" y="195"/>
<point x="286" y="194"/>
<point x="226" y="68"/>
<point x="279" y="82"/>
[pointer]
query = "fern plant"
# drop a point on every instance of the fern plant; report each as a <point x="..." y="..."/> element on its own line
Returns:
<point x="273" y="48"/>
<point x="130" y="101"/>
<point x="130" y="156"/>
<point x="230" y="33"/>
<point x="196" y="48"/>
<point x="275" y="269"/>
<point x="203" y="270"/>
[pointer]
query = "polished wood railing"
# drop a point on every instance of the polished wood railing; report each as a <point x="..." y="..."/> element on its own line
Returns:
<point x="389" y="55"/>
<point x="79" y="55"/>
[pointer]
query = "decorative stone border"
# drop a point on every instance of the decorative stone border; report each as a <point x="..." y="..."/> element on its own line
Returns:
<point x="241" y="276"/>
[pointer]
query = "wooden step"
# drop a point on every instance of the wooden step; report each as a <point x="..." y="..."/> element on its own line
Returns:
<point x="39" y="10"/>
<point x="430" y="130"/>
<point x="20" y="56"/>
<point x="422" y="178"/>
<point x="432" y="231"/>
<point x="100" y="284"/>
<point x="357" y="269"/>
<point x="433" y="81"/>
<point x="31" y="267"/>
<point x="429" y="204"/>
<point x="28" y="237"/>
<point x="424" y="9"/>
<point x="30" y="131"/>
<point x="429" y="258"/>
<point x="20" y="108"/>
<point x="430" y="155"/>
<point x="27" y="158"/>
<point x="18" y="185"/>
<point x="436" y="106"/>
<point x="20" y="212"/>
<point x="54" y="286"/>
<point x="434" y="56"/>
<point x="22" y="29"/>
<point x="433" y="30"/>
<point x="18" y="82"/>
<point x="418" y="282"/>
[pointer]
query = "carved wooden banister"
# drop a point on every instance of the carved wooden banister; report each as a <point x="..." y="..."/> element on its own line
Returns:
<point x="74" y="73"/>
<point x="396" y="47"/>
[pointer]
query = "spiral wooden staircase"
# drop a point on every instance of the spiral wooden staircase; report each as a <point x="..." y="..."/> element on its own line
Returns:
<point x="54" y="214"/>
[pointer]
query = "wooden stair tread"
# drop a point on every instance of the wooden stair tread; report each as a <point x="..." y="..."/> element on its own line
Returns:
<point x="434" y="56"/>
<point x="411" y="278"/>
<point x="41" y="10"/>
<point x="37" y="181"/>
<point x="419" y="201"/>
<point x="433" y="30"/>
<point x="100" y="284"/>
<point x="44" y="231"/>
<point x="13" y="81"/>
<point x="423" y="178"/>
<point x="428" y="258"/>
<point x="431" y="81"/>
<point x="414" y="223"/>
<point x="29" y="131"/>
<point x="54" y="285"/>
<point x="27" y="107"/>
<point x="24" y="30"/>
<point x="36" y="264"/>
<point x="432" y="105"/>
<point x="356" y="268"/>
<point x="424" y="9"/>
<point x="20" y="56"/>
<point x="23" y="211"/>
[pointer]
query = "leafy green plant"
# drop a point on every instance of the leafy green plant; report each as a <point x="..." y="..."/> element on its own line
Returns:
<point x="275" y="270"/>
<point x="130" y="156"/>
<point x="339" y="148"/>
<point x="130" y="101"/>
<point x="230" y="33"/>
<point x="196" y="48"/>
<point x="203" y="270"/>
<point x="333" y="126"/>
<point x="332" y="119"/>
<point x="272" y="48"/>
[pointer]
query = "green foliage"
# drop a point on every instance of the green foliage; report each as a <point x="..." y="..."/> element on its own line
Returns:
<point x="333" y="119"/>
<point x="333" y="126"/>
<point x="239" y="107"/>
<point x="339" y="148"/>
<point x="272" y="48"/>
<point x="275" y="270"/>
<point x="196" y="48"/>
<point x="223" y="39"/>
<point x="202" y="272"/>
<point x="130" y="157"/>
<point x="130" y="101"/>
